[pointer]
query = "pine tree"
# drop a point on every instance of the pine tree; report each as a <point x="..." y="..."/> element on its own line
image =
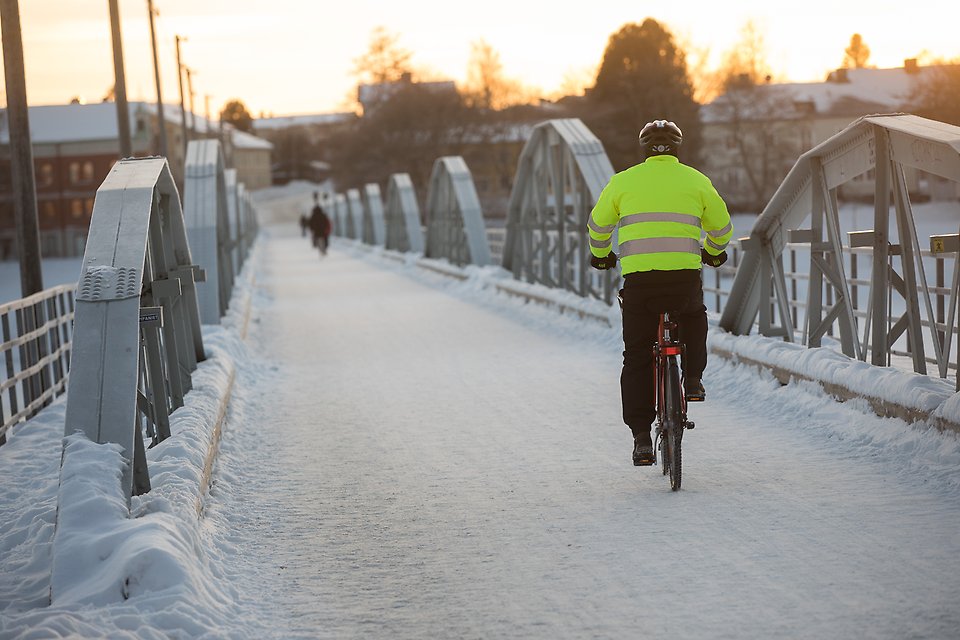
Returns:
<point x="643" y="77"/>
<point x="856" y="55"/>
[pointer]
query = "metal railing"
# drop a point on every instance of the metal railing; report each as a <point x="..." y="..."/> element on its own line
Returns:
<point x="37" y="333"/>
<point x="885" y="145"/>
<point x="717" y="286"/>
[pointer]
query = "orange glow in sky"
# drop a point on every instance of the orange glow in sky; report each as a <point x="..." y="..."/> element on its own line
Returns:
<point x="295" y="56"/>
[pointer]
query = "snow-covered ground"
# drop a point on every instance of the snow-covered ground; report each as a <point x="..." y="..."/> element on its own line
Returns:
<point x="406" y="455"/>
<point x="54" y="271"/>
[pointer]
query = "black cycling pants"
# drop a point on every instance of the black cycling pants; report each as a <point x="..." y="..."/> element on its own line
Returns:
<point x="645" y="295"/>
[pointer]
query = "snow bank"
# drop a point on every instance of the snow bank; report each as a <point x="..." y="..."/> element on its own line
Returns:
<point x="890" y="391"/>
<point x="118" y="573"/>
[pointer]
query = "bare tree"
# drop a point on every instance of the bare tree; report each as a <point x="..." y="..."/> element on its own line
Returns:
<point x="937" y="96"/>
<point x="412" y="127"/>
<point x="759" y="121"/>
<point x="487" y="87"/>
<point x="746" y="62"/>
<point x="384" y="61"/>
<point x="856" y="55"/>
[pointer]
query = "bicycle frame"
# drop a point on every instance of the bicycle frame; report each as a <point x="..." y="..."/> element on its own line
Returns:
<point x="671" y="399"/>
<point x="667" y="348"/>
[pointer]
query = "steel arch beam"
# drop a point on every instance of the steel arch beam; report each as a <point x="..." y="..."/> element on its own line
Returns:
<point x="354" y="214"/>
<point x="455" y="227"/>
<point x="402" y="215"/>
<point x="206" y="216"/>
<point x="137" y="255"/>
<point x="373" y="226"/>
<point x="560" y="174"/>
<point x="341" y="219"/>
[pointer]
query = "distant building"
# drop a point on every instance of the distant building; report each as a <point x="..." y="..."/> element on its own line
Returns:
<point x="371" y="96"/>
<point x="250" y="156"/>
<point x="753" y="134"/>
<point x="299" y="143"/>
<point x="74" y="148"/>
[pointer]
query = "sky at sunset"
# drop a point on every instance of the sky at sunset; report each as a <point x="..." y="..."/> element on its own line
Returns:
<point x="295" y="56"/>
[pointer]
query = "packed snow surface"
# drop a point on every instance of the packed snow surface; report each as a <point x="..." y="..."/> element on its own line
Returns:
<point x="407" y="455"/>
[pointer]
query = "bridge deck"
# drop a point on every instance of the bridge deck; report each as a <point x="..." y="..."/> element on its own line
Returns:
<point x="405" y="459"/>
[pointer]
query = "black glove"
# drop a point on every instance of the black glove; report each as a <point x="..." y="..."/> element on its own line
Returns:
<point x="713" y="261"/>
<point x="608" y="261"/>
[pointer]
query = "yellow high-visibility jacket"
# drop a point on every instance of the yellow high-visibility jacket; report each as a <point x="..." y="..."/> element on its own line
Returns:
<point x="661" y="206"/>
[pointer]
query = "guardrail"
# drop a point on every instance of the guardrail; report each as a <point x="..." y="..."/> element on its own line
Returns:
<point x="37" y="335"/>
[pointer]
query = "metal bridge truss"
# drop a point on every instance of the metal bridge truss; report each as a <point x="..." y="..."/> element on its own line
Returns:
<point x="137" y="336"/>
<point x="455" y="228"/>
<point x="341" y="221"/>
<point x="402" y="215"/>
<point x="373" y="225"/>
<point x="886" y="145"/>
<point x="243" y="219"/>
<point x="560" y="174"/>
<point x="354" y="214"/>
<point x="207" y="219"/>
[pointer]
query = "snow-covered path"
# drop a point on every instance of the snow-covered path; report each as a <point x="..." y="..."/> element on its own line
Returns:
<point x="404" y="459"/>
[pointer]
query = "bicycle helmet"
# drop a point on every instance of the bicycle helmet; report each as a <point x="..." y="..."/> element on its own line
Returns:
<point x="660" y="137"/>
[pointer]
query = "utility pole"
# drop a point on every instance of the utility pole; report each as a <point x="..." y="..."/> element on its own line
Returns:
<point x="206" y="100"/>
<point x="156" y="74"/>
<point x="183" y="111"/>
<point x="21" y="151"/>
<point x="193" y="113"/>
<point x="120" y="86"/>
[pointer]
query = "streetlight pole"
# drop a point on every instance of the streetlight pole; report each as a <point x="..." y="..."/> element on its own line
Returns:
<point x="21" y="151"/>
<point x="183" y="111"/>
<point x="120" y="86"/>
<point x="156" y="74"/>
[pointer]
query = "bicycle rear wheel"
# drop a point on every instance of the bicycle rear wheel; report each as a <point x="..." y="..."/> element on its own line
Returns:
<point x="673" y="423"/>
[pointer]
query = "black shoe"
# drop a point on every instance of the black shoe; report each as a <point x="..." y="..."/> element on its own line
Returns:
<point x="643" y="451"/>
<point x="694" y="391"/>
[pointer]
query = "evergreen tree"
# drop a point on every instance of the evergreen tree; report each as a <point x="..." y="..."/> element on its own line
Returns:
<point x="643" y="77"/>
<point x="856" y="55"/>
<point x="235" y="113"/>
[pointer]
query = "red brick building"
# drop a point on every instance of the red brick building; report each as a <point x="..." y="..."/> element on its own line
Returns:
<point x="74" y="148"/>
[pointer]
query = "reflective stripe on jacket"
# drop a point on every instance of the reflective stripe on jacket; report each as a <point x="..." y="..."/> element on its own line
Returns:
<point x="661" y="206"/>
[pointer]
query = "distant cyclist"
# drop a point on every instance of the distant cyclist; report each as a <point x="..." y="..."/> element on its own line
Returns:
<point x="319" y="225"/>
<point x="660" y="206"/>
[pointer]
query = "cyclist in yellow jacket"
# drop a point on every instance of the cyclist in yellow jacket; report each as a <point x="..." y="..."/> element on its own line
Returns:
<point x="660" y="206"/>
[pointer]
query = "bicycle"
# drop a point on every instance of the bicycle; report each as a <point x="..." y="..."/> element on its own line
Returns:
<point x="671" y="400"/>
